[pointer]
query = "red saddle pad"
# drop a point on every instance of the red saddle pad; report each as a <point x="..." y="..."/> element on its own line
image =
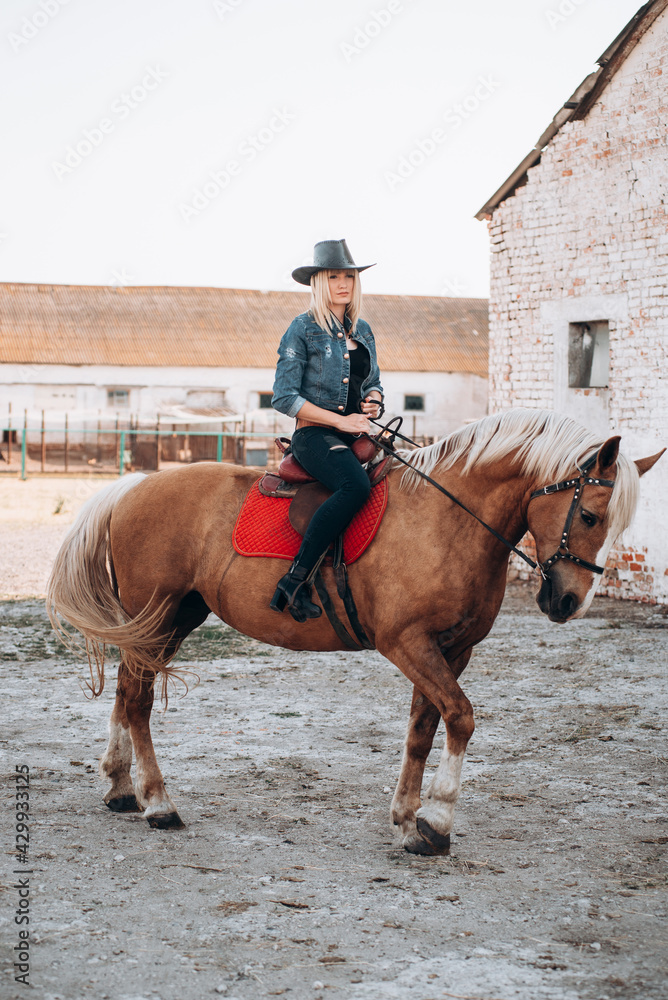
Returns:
<point x="263" y="528"/>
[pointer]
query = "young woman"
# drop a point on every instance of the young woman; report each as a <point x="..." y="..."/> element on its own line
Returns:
<point x="327" y="377"/>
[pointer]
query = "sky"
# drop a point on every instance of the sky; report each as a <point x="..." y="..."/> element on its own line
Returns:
<point x="213" y="142"/>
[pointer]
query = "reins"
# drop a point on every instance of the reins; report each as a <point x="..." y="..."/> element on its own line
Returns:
<point x="385" y="440"/>
<point x="388" y="448"/>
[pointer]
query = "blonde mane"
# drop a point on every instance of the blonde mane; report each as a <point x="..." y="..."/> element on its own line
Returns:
<point x="547" y="445"/>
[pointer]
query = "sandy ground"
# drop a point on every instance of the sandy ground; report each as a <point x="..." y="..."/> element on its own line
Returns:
<point x="34" y="517"/>
<point x="288" y="880"/>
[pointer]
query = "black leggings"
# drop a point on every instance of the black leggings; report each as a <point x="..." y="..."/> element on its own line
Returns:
<point x="326" y="455"/>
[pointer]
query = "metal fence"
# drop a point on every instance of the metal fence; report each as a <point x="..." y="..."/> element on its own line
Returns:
<point x="115" y="450"/>
<point x="111" y="449"/>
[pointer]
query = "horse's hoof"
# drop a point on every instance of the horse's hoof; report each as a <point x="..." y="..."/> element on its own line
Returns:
<point x="428" y="841"/>
<point x="439" y="841"/>
<point x="124" y="804"/>
<point x="166" y="821"/>
<point x="416" y="845"/>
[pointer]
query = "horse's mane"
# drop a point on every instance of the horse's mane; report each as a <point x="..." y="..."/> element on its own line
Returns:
<point x="545" y="444"/>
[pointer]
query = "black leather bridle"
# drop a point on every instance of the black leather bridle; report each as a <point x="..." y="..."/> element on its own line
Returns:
<point x="385" y="440"/>
<point x="578" y="484"/>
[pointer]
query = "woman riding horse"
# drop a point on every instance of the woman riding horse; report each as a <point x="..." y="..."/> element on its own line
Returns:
<point x="327" y="377"/>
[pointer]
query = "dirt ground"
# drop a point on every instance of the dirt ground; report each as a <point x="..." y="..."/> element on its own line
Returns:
<point x="34" y="517"/>
<point x="288" y="880"/>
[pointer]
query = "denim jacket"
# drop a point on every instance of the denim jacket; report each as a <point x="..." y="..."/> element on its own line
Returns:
<point x="313" y="366"/>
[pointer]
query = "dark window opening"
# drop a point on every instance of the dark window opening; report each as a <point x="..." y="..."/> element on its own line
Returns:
<point x="413" y="402"/>
<point x="118" y="397"/>
<point x="265" y="400"/>
<point x="588" y="355"/>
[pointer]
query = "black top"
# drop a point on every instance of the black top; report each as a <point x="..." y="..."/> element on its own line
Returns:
<point x="360" y="365"/>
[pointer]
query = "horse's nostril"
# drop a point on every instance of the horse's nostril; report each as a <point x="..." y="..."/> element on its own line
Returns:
<point x="567" y="605"/>
<point x="544" y="595"/>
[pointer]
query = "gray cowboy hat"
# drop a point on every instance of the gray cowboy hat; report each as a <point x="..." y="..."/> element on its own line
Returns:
<point x="328" y="255"/>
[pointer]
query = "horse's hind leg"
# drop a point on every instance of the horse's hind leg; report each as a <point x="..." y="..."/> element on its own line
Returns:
<point x="117" y="760"/>
<point x="129" y="726"/>
<point x="137" y="693"/>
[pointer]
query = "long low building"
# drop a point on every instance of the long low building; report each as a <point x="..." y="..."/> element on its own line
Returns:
<point x="98" y="351"/>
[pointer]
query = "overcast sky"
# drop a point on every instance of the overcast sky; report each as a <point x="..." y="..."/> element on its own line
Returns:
<point x="213" y="142"/>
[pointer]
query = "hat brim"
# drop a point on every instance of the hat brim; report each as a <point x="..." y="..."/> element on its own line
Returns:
<point x="303" y="274"/>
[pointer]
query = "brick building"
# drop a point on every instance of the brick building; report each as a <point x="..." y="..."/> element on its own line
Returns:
<point x="579" y="264"/>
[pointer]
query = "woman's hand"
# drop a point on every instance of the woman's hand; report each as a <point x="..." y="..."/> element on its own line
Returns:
<point x="370" y="407"/>
<point x="354" y="423"/>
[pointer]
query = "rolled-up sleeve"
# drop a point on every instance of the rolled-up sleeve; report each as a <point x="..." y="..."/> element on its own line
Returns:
<point x="292" y="360"/>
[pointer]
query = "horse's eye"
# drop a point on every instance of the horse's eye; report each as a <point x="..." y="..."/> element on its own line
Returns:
<point x="588" y="518"/>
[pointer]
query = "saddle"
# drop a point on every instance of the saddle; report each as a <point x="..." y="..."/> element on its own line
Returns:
<point x="294" y="482"/>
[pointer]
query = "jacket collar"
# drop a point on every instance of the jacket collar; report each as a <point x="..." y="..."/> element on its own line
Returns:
<point x="336" y="326"/>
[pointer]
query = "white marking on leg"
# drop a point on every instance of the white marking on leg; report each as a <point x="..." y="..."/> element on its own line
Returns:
<point x="159" y="802"/>
<point x="117" y="761"/>
<point x="438" y="807"/>
<point x="599" y="560"/>
<point x="404" y="805"/>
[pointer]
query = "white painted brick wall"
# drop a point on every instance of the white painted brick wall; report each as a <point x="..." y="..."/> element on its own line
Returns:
<point x="591" y="222"/>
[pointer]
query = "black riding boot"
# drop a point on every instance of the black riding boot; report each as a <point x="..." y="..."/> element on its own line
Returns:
<point x="294" y="592"/>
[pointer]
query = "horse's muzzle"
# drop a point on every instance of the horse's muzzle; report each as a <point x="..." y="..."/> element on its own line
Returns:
<point x="558" y="607"/>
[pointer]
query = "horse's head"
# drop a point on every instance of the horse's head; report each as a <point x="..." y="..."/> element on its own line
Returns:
<point x="575" y="527"/>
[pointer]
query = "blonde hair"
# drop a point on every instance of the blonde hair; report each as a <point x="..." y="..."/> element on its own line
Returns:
<point x="320" y="306"/>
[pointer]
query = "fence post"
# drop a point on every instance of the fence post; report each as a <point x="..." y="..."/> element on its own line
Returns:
<point x="121" y="460"/>
<point x="23" y="452"/>
<point x="42" y="445"/>
<point x="219" y="448"/>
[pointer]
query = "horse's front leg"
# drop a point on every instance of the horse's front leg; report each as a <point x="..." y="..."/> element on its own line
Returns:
<point x="422" y="726"/>
<point x="159" y="810"/>
<point x="117" y="761"/>
<point x="426" y="827"/>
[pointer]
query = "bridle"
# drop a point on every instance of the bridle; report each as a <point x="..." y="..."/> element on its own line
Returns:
<point x="385" y="440"/>
<point x="578" y="484"/>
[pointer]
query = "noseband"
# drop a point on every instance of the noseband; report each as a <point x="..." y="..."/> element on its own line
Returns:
<point x="563" y="552"/>
<point x="385" y="441"/>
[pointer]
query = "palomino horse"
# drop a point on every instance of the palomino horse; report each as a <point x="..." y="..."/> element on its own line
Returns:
<point x="150" y="556"/>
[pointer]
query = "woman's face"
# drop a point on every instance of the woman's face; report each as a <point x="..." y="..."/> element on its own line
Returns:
<point x="341" y="287"/>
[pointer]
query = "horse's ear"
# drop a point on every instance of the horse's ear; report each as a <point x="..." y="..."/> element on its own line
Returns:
<point x="645" y="464"/>
<point x="607" y="455"/>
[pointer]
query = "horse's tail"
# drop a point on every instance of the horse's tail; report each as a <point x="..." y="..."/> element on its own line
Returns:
<point x="82" y="590"/>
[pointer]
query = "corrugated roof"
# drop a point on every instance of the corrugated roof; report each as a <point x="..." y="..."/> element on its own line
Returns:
<point x="222" y="327"/>
<point x="579" y="103"/>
